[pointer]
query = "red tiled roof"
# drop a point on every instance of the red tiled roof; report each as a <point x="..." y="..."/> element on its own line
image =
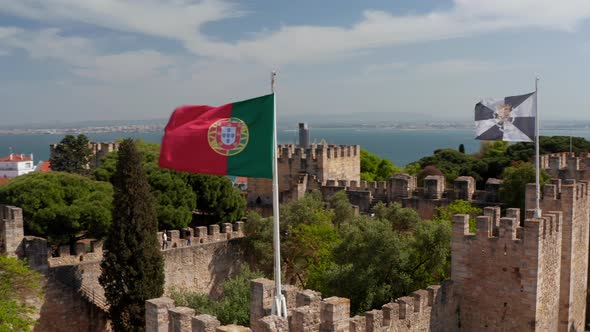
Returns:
<point x="16" y="157"/>
<point x="4" y="180"/>
<point x="44" y="167"/>
<point x="241" y="179"/>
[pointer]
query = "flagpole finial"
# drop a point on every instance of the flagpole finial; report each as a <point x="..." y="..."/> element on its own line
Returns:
<point x="273" y="80"/>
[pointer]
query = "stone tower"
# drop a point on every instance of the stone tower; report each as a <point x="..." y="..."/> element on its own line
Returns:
<point x="571" y="197"/>
<point x="507" y="277"/>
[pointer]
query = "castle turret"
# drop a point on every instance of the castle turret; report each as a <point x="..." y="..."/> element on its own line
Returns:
<point x="571" y="197"/>
<point x="508" y="282"/>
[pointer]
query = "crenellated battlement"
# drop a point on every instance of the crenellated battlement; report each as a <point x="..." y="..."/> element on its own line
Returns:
<point x="13" y="242"/>
<point x="291" y="152"/>
<point x="571" y="197"/>
<point x="11" y="230"/>
<point x="191" y="236"/>
<point x="492" y="227"/>
<point x="87" y="250"/>
<point x="560" y="194"/>
<point x="566" y="165"/>
<point x="422" y="310"/>
<point x="513" y="263"/>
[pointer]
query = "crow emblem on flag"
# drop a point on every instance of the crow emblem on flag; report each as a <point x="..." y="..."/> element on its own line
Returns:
<point x="228" y="136"/>
<point x="509" y="119"/>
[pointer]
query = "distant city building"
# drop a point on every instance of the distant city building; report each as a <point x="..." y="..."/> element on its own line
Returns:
<point x="14" y="165"/>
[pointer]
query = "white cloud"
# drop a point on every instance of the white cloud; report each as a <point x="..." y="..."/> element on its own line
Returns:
<point x="182" y="20"/>
<point x="457" y="67"/>
<point x="384" y="67"/>
<point x="83" y="58"/>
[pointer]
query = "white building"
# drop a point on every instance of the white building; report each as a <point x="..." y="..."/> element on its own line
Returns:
<point x="14" y="165"/>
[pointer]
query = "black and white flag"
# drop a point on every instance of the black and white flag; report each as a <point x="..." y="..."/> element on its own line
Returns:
<point x="506" y="119"/>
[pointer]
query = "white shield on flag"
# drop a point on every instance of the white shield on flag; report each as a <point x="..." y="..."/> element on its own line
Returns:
<point x="228" y="135"/>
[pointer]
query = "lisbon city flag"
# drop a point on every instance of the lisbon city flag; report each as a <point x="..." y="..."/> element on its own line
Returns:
<point x="234" y="139"/>
<point x="506" y="119"/>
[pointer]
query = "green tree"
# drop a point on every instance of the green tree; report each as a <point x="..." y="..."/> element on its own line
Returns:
<point x="175" y="199"/>
<point x="72" y="155"/>
<point x="446" y="213"/>
<point x="217" y="197"/>
<point x="401" y="219"/>
<point x="461" y="148"/>
<point x="307" y="239"/>
<point x="453" y="164"/>
<point x="525" y="151"/>
<point x="429" y="254"/>
<point x="374" y="168"/>
<point x="258" y="242"/>
<point x="234" y="305"/>
<point x="342" y="208"/>
<point x="18" y="283"/>
<point x="493" y="149"/>
<point x="515" y="179"/>
<point x="374" y="264"/>
<point x="132" y="268"/>
<point x="62" y="207"/>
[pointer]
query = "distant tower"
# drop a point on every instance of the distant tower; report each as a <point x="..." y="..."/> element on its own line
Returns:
<point x="303" y="135"/>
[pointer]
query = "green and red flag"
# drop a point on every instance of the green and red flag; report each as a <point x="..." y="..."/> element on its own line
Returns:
<point x="233" y="139"/>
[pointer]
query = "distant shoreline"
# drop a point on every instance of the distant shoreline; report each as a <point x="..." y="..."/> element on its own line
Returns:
<point x="139" y="129"/>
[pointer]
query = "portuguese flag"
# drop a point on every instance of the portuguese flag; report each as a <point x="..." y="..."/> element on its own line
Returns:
<point x="233" y="139"/>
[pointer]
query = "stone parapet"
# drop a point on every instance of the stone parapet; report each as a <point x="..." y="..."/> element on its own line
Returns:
<point x="432" y="309"/>
<point x="11" y="230"/>
<point x="201" y="234"/>
<point x="517" y="263"/>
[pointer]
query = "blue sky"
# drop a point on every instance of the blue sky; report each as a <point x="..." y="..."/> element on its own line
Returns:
<point x="72" y="60"/>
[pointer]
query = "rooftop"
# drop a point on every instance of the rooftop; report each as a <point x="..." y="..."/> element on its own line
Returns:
<point x="16" y="157"/>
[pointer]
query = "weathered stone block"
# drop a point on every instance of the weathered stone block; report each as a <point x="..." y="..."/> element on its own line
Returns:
<point x="157" y="318"/>
<point x="205" y="323"/>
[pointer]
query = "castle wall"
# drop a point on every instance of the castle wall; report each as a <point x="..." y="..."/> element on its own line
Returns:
<point x="11" y="230"/>
<point x="562" y="167"/>
<point x="506" y="277"/>
<point x="432" y="309"/>
<point x="301" y="170"/>
<point x="198" y="259"/>
<point x="426" y="208"/>
<point x="571" y="198"/>
<point x="202" y="268"/>
<point x="65" y="307"/>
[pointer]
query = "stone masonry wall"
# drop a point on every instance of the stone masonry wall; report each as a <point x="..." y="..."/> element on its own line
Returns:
<point x="571" y="198"/>
<point x="506" y="277"/>
<point x="197" y="258"/>
<point x="299" y="168"/>
<point x="432" y="309"/>
<point x="66" y="307"/>
<point x="204" y="267"/>
<point x="11" y="230"/>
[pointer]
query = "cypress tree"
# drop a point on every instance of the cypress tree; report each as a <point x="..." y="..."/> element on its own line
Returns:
<point x="132" y="268"/>
<point x="462" y="148"/>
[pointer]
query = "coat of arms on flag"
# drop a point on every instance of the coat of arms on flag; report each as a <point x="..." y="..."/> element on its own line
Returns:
<point x="506" y="119"/>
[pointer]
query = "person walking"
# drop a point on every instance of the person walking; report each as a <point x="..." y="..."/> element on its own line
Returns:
<point x="164" y="240"/>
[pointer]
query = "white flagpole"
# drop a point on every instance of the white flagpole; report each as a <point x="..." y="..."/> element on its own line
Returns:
<point x="279" y="307"/>
<point x="537" y="170"/>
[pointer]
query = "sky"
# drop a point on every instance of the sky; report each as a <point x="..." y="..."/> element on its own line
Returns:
<point x="73" y="60"/>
